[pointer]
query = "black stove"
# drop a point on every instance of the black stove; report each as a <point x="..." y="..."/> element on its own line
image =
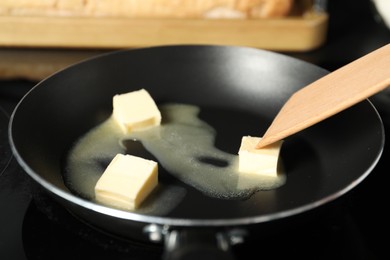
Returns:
<point x="33" y="226"/>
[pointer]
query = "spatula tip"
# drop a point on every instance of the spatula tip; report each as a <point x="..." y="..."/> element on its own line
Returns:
<point x="264" y="142"/>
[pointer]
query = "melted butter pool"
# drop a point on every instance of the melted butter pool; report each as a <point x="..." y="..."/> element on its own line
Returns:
<point x="183" y="145"/>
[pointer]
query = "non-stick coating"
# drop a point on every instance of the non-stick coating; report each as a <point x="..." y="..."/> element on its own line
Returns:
<point x="322" y="162"/>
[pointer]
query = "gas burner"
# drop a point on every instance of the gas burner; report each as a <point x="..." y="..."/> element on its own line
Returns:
<point x="51" y="232"/>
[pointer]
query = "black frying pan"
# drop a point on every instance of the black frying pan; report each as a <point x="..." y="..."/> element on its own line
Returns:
<point x="246" y="86"/>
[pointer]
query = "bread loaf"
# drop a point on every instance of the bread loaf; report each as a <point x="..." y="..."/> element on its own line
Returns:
<point x="149" y="8"/>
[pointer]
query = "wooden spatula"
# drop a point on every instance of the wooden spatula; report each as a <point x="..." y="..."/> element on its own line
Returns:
<point x="331" y="94"/>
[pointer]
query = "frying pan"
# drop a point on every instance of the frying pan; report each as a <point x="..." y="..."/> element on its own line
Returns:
<point x="239" y="90"/>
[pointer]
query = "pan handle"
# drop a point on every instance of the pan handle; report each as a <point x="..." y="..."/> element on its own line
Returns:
<point x="198" y="243"/>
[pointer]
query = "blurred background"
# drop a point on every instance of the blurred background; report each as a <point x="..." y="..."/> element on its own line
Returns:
<point x="37" y="40"/>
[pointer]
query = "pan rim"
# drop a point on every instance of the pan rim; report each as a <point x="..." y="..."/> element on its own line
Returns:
<point x="187" y="222"/>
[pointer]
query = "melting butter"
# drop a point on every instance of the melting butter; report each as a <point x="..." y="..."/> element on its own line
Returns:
<point x="183" y="145"/>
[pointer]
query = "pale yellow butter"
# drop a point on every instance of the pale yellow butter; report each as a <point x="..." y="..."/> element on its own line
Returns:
<point x="258" y="161"/>
<point x="135" y="110"/>
<point x="126" y="182"/>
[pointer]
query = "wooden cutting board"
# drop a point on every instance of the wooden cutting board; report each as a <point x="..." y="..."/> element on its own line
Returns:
<point x="299" y="33"/>
<point x="35" y="64"/>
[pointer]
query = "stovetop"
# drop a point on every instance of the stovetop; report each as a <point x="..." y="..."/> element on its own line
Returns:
<point x="32" y="226"/>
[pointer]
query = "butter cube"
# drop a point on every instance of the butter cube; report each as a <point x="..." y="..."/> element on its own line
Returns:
<point x="126" y="182"/>
<point x="135" y="110"/>
<point x="258" y="161"/>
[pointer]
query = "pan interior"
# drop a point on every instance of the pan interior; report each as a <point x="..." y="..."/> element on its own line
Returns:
<point x="187" y="152"/>
<point x="239" y="91"/>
